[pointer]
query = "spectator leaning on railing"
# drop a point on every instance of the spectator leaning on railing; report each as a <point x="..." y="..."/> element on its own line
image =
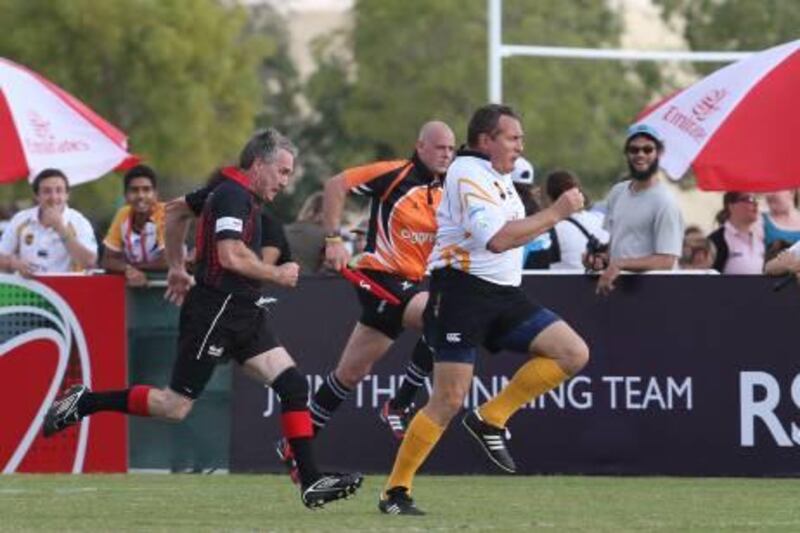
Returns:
<point x="739" y="239"/>
<point x="50" y="237"/>
<point x="134" y="243"/>
<point x="643" y="219"/>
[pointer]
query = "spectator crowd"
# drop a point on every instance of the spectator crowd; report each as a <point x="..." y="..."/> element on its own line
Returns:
<point x="637" y="227"/>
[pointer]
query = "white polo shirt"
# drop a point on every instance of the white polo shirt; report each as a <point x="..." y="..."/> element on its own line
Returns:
<point x="42" y="247"/>
<point x="477" y="202"/>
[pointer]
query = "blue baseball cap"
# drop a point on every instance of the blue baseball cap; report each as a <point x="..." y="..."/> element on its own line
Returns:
<point x="644" y="129"/>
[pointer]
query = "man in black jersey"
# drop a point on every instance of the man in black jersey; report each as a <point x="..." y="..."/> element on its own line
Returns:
<point x="222" y="315"/>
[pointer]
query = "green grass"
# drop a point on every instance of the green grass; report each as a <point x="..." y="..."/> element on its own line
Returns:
<point x="502" y="503"/>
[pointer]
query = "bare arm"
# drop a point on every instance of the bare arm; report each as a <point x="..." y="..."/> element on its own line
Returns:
<point x="82" y="256"/>
<point x="646" y="263"/>
<point x="517" y="233"/>
<point x="605" y="284"/>
<point x="333" y="200"/>
<point x="236" y="257"/>
<point x="113" y="261"/>
<point x="784" y="263"/>
<point x="177" y="221"/>
<point x="270" y="255"/>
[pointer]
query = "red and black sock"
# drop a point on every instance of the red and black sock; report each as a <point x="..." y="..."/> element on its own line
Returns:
<point x="292" y="389"/>
<point x="131" y="401"/>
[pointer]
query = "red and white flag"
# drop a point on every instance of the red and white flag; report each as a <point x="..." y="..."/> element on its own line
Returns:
<point x="738" y="128"/>
<point x="43" y="126"/>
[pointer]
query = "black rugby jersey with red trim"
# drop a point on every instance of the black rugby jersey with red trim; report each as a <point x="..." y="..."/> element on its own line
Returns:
<point x="230" y="211"/>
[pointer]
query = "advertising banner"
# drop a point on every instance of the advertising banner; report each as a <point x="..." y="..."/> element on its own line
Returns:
<point x="689" y="375"/>
<point x="56" y="332"/>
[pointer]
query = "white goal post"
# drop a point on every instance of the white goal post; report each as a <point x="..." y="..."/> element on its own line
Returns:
<point x="498" y="51"/>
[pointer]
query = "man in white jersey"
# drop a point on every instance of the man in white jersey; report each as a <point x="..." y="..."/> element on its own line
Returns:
<point x="475" y="300"/>
<point x="51" y="237"/>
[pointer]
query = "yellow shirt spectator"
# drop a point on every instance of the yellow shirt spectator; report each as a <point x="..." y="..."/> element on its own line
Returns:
<point x="142" y="247"/>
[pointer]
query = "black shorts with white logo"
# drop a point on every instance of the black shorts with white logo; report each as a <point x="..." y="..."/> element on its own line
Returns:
<point x="214" y="328"/>
<point x="380" y="314"/>
<point x="465" y="312"/>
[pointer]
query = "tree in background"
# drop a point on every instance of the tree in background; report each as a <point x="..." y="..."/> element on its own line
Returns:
<point x="734" y="25"/>
<point x="180" y="77"/>
<point x="429" y="61"/>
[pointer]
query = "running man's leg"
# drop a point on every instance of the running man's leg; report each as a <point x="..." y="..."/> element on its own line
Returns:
<point x="190" y="374"/>
<point x="557" y="353"/>
<point x="276" y="368"/>
<point x="421" y="363"/>
<point x="139" y="400"/>
<point x="451" y="382"/>
<point x="365" y="346"/>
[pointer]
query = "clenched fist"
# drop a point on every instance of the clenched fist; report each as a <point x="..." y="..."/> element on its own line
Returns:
<point x="570" y="201"/>
<point x="287" y="274"/>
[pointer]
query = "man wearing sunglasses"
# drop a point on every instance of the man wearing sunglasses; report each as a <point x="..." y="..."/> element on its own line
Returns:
<point x="643" y="219"/>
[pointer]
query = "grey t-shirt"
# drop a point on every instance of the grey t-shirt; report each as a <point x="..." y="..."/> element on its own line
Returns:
<point x="643" y="223"/>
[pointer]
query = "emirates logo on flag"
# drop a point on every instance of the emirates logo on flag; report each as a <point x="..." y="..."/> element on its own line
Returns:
<point x="709" y="104"/>
<point x="45" y="141"/>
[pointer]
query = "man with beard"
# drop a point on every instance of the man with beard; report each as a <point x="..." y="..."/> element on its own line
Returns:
<point x="643" y="219"/>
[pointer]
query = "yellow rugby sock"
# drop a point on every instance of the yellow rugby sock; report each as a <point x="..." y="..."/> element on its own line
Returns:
<point x="421" y="436"/>
<point x="534" y="378"/>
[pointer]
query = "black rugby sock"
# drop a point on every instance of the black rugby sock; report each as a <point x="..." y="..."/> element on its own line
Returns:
<point x="327" y="400"/>
<point x="92" y="402"/>
<point x="418" y="369"/>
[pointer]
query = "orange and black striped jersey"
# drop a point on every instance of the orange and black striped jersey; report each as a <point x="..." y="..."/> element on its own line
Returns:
<point x="402" y="223"/>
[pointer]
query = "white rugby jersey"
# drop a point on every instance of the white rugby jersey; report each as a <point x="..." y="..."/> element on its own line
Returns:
<point x="42" y="247"/>
<point x="477" y="202"/>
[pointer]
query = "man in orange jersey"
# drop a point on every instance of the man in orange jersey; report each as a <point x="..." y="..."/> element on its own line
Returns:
<point x="400" y="236"/>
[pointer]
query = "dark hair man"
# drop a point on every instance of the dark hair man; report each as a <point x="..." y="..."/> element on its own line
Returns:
<point x="50" y="237"/>
<point x="475" y="300"/>
<point x="134" y="243"/>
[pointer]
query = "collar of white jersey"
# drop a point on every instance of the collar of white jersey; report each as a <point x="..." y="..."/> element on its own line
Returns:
<point x="480" y="159"/>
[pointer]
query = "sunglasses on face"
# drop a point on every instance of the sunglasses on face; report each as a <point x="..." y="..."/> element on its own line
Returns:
<point x="745" y="200"/>
<point x="647" y="150"/>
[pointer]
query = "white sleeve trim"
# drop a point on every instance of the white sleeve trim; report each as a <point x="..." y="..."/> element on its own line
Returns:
<point x="229" y="224"/>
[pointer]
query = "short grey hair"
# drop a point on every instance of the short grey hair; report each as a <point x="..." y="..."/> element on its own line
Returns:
<point x="265" y="144"/>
